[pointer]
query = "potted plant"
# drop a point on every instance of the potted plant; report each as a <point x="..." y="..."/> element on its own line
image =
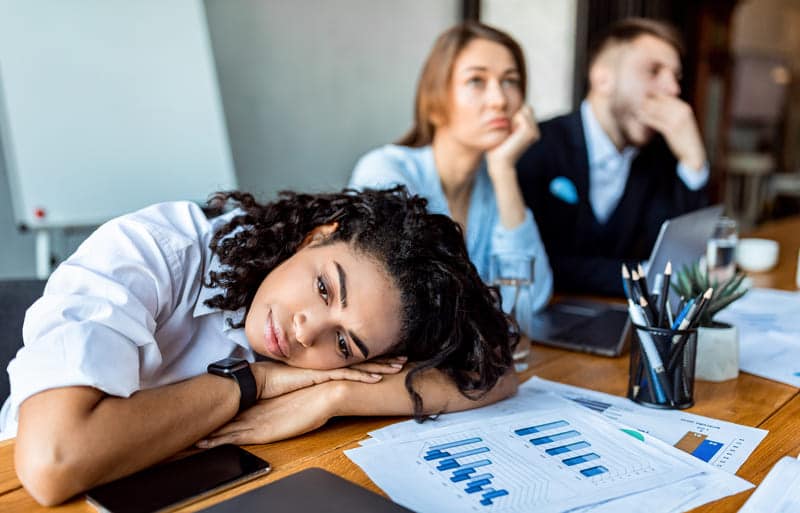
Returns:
<point x="717" y="343"/>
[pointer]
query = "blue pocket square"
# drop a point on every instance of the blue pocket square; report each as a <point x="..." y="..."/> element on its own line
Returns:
<point x="562" y="188"/>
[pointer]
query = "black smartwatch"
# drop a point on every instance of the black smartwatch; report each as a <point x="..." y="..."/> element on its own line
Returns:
<point x="239" y="370"/>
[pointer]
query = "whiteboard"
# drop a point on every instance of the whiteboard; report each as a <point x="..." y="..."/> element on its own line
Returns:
<point x="107" y="106"/>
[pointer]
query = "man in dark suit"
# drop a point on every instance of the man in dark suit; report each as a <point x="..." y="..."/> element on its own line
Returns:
<point x="601" y="180"/>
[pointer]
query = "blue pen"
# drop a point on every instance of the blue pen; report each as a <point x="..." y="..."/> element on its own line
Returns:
<point x="660" y="382"/>
<point x="681" y="316"/>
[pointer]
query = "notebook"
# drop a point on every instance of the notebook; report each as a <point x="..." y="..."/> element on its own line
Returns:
<point x="602" y="328"/>
<point x="311" y="490"/>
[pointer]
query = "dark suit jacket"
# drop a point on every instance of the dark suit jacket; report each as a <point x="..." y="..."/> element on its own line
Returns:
<point x="586" y="255"/>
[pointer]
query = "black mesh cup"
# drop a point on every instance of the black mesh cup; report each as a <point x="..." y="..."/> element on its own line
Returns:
<point x="661" y="373"/>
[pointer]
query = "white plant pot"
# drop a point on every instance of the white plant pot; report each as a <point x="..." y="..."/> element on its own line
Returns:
<point x="717" y="353"/>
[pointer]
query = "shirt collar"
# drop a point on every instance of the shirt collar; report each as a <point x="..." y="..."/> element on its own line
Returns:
<point x="599" y="147"/>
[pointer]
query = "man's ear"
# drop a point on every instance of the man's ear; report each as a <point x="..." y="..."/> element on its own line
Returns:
<point x="319" y="234"/>
<point x="601" y="78"/>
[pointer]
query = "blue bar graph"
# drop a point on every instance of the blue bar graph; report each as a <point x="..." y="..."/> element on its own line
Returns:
<point x="541" y="427"/>
<point x="580" y="459"/>
<point x="438" y="451"/>
<point x="489" y="495"/>
<point x="470" y="452"/>
<point x="594" y="471"/>
<point x="457" y="443"/>
<point x="477" y="485"/>
<point x="576" y="446"/>
<point x="554" y="438"/>
<point x="451" y="462"/>
<point x="464" y="471"/>
<point x="706" y="450"/>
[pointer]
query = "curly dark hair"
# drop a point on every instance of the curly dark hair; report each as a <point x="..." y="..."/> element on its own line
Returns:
<point x="450" y="319"/>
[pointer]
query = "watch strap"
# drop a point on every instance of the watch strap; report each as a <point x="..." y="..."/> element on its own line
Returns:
<point x="247" y="386"/>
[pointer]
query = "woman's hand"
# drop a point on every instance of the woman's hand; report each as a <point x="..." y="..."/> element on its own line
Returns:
<point x="501" y="162"/>
<point x="382" y="365"/>
<point x="283" y="417"/>
<point x="524" y="132"/>
<point x="275" y="379"/>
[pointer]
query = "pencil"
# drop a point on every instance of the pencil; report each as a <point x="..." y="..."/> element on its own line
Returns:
<point x="662" y="298"/>
<point x="704" y="301"/>
<point x="687" y="323"/>
<point x="646" y="290"/>
<point x="627" y="284"/>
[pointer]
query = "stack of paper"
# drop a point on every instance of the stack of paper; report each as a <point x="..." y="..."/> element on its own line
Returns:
<point x="536" y="452"/>
<point x="769" y="333"/>
<point x="780" y="491"/>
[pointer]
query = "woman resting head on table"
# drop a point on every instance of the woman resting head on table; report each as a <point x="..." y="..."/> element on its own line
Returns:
<point x="338" y="291"/>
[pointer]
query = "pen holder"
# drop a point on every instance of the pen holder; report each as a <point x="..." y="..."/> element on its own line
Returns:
<point x="661" y="373"/>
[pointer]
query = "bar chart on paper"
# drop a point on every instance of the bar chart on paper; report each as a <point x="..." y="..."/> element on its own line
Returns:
<point x="722" y="444"/>
<point x="527" y="462"/>
<point x="459" y="456"/>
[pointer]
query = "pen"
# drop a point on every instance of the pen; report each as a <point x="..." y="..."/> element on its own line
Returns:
<point x="677" y="347"/>
<point x="682" y="314"/>
<point x="655" y="292"/>
<point x="659" y="379"/>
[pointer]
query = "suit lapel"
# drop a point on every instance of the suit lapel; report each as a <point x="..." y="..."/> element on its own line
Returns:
<point x="586" y="222"/>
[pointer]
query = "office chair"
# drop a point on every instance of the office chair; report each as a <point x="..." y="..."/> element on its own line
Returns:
<point x="15" y="297"/>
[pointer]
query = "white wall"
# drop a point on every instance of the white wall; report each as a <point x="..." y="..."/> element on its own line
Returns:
<point x="307" y="87"/>
<point x="546" y="31"/>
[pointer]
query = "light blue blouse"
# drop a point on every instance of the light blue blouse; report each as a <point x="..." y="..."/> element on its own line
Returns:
<point x="485" y="235"/>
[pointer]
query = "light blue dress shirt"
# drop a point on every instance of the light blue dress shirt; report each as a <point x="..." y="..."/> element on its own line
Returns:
<point x="609" y="168"/>
<point x="485" y="235"/>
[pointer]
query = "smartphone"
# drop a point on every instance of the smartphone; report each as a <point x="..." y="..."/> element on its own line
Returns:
<point x="179" y="482"/>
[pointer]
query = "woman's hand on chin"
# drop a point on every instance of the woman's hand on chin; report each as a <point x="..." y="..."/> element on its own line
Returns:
<point x="524" y="132"/>
<point x="276" y="379"/>
<point x="279" y="418"/>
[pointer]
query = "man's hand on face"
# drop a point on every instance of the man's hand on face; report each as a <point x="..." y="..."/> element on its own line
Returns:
<point x="673" y="118"/>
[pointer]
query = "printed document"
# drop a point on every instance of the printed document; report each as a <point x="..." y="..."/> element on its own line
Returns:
<point x="552" y="457"/>
<point x="722" y="444"/>
<point x="768" y="321"/>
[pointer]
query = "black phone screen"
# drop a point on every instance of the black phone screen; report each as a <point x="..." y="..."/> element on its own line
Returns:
<point x="178" y="482"/>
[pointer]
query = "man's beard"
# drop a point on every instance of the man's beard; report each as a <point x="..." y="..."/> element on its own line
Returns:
<point x="623" y="115"/>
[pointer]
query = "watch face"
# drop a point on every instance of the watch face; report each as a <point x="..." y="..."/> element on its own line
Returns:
<point x="227" y="365"/>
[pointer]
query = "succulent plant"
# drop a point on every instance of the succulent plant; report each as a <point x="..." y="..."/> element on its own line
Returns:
<point x="692" y="280"/>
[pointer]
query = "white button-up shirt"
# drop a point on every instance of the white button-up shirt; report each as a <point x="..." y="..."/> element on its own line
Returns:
<point x="609" y="168"/>
<point x="126" y="313"/>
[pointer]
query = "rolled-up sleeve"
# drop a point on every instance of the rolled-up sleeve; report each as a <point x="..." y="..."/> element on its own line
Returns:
<point x="95" y="324"/>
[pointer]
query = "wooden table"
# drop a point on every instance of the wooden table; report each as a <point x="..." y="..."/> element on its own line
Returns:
<point x="748" y="400"/>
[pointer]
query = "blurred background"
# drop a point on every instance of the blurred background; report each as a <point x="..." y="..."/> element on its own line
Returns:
<point x="307" y="86"/>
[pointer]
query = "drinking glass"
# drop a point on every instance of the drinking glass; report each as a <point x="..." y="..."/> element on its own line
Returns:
<point x="510" y="273"/>
<point x="721" y="250"/>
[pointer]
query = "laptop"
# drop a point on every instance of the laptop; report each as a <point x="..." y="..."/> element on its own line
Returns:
<point x="601" y="328"/>
<point x="311" y="490"/>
